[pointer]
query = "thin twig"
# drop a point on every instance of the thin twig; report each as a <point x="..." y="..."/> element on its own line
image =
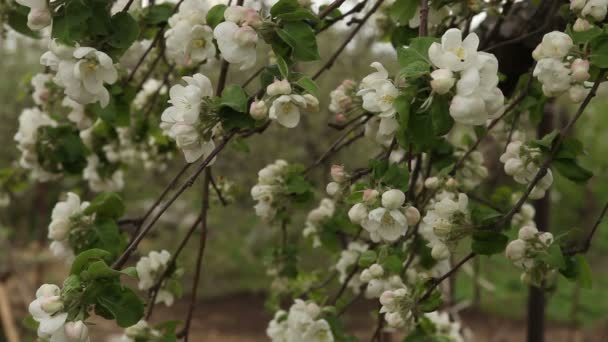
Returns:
<point x="435" y="282"/>
<point x="587" y="243"/>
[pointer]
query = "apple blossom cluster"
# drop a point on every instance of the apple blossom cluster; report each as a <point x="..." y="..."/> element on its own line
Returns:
<point x="473" y="171"/>
<point x="30" y="120"/>
<point x="525" y="215"/>
<point x="188" y="120"/>
<point x="557" y="70"/>
<point x="150" y="270"/>
<point x="344" y="100"/>
<point x="303" y="323"/>
<point x="385" y="221"/>
<point x="445" y="223"/>
<point x="526" y="251"/>
<point x="477" y="97"/>
<point x="348" y="259"/>
<point x="378" y="93"/>
<point x="48" y="310"/>
<point x="81" y="71"/>
<point x="315" y="219"/>
<point x="68" y="226"/>
<point x="140" y="332"/>
<point x="523" y="163"/>
<point x="339" y="182"/>
<point x="267" y="192"/>
<point x="396" y="307"/>
<point x="588" y="12"/>
<point x="445" y="329"/>
<point x="285" y="105"/>
<point x="378" y="281"/>
<point x="189" y="40"/>
<point x="237" y="37"/>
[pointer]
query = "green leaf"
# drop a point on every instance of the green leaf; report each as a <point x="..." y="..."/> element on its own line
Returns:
<point x="570" y="148"/>
<point x="487" y="242"/>
<point x="124" y="305"/>
<point x="546" y="143"/>
<point x="283" y="67"/>
<point x="415" y="69"/>
<point x="554" y="257"/>
<point x="302" y="40"/>
<point x="130" y="271"/>
<point x="403" y="35"/>
<point x="599" y="51"/>
<point x="116" y="113"/>
<point x="584" y="272"/>
<point x="396" y="177"/>
<point x="570" y="169"/>
<point x="584" y="36"/>
<point x="393" y="264"/>
<point x="17" y="20"/>
<point x="402" y="105"/>
<point x="309" y="85"/>
<point x="367" y="258"/>
<point x="60" y="149"/>
<point x="403" y="10"/>
<point x="297" y="184"/>
<point x="298" y="14"/>
<point x="158" y="14"/>
<point x="84" y="258"/>
<point x="99" y="269"/>
<point x="418" y="51"/>
<point x="440" y="114"/>
<point x="234" y="97"/>
<point x="107" y="204"/>
<point x="125" y="30"/>
<point x="216" y="15"/>
<point x="283" y="7"/>
<point x="432" y="303"/>
<point x="69" y="21"/>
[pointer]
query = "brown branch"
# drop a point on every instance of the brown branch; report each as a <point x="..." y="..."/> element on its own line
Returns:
<point x="352" y="34"/>
<point x="327" y="10"/>
<point x="423" y="28"/>
<point x="356" y="9"/>
<point x="435" y="282"/>
<point x="587" y="243"/>
<point x="199" y="258"/>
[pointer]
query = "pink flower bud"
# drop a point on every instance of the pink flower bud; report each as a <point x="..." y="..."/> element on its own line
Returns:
<point x="337" y="173"/>
<point x="580" y="70"/>
<point x="340" y="118"/>
<point x="370" y="195"/>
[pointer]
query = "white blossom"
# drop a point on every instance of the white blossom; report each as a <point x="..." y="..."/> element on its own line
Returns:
<point x="286" y="110"/>
<point x="445" y="214"/>
<point x="30" y="120"/>
<point x="301" y="324"/>
<point x="454" y="53"/>
<point x="187" y="44"/>
<point x="150" y="270"/>
<point x="236" y="39"/>
<point x="39" y="15"/>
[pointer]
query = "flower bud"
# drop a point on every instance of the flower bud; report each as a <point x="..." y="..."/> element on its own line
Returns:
<point x="375" y="287"/>
<point x="365" y="276"/>
<point x="537" y="54"/>
<point x="451" y="183"/>
<point x="440" y="251"/>
<point x="278" y="87"/>
<point x="577" y="93"/>
<point x="556" y="44"/>
<point x="376" y="270"/>
<point x="388" y="298"/>
<point x="580" y="70"/>
<point x="431" y="183"/>
<point x="527" y="233"/>
<point x="394" y="319"/>
<point x="412" y="215"/>
<point x="370" y="195"/>
<point x="76" y="331"/>
<point x="443" y="81"/>
<point x="258" y="109"/>
<point x="246" y="35"/>
<point x="39" y="18"/>
<point x="48" y="290"/>
<point x="442" y="228"/>
<point x="332" y="188"/>
<point x="337" y="173"/>
<point x="312" y="103"/>
<point x="357" y="213"/>
<point x="581" y="25"/>
<point x="516" y="250"/>
<point x="393" y="199"/>
<point x="252" y="18"/>
<point x="51" y="304"/>
<point x="597" y="9"/>
<point x="577" y="5"/>
<point x="235" y="14"/>
<point x="59" y="229"/>
<point x="513" y="166"/>
<point x="546" y="238"/>
<point x="340" y="118"/>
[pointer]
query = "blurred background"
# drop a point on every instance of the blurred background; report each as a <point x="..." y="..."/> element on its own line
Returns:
<point x="491" y="299"/>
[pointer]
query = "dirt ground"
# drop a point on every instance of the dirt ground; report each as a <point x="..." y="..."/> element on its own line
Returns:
<point x="241" y="317"/>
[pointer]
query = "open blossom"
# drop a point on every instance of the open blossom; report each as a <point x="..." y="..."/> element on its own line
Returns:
<point x="554" y="76"/>
<point x="301" y="324"/>
<point x="394" y="314"/>
<point x="315" y="219"/>
<point x="98" y="182"/>
<point x="66" y="216"/>
<point x="523" y="163"/>
<point x="141" y="331"/>
<point x="181" y="120"/>
<point x="454" y="53"/>
<point x="187" y="44"/>
<point x="269" y="188"/>
<point x="554" y="44"/>
<point x="527" y="251"/>
<point x="150" y="269"/>
<point x="82" y="71"/>
<point x="39" y="15"/>
<point x="286" y="109"/>
<point x="387" y="223"/>
<point x="236" y="37"/>
<point x="445" y="328"/>
<point x="595" y="9"/>
<point x="30" y="120"/>
<point x="445" y="214"/>
<point x="47" y="310"/>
